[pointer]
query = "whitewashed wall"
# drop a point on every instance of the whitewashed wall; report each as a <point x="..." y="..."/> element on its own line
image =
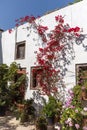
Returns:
<point x="74" y="15"/>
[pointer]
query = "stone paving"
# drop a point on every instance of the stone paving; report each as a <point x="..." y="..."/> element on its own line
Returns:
<point x="10" y="123"/>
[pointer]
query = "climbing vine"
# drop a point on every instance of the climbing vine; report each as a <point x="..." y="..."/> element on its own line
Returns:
<point x="57" y="52"/>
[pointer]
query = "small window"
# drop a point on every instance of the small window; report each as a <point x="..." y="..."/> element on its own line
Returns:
<point x="36" y="77"/>
<point x="81" y="73"/>
<point x="20" y="50"/>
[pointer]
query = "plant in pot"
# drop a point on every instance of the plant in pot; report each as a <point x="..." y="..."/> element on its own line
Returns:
<point x="29" y="109"/>
<point x="41" y="123"/>
<point x="52" y="109"/>
<point x="4" y="96"/>
<point x="9" y="89"/>
<point x="27" y="114"/>
<point x="16" y="92"/>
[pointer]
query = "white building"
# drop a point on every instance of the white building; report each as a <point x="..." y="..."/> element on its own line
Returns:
<point x="27" y="40"/>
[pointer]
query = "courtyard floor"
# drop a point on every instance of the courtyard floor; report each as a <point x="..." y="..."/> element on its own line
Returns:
<point x="10" y="123"/>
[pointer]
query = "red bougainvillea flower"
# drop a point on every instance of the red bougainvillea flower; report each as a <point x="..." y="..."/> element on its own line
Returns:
<point x="10" y="30"/>
<point x="77" y="29"/>
<point x="41" y="29"/>
<point x="55" y="52"/>
<point x="59" y="19"/>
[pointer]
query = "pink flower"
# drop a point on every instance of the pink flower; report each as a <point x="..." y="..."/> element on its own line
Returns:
<point x="85" y="108"/>
<point x="76" y="111"/>
<point x="83" y="87"/>
<point x="85" y="128"/>
<point x="72" y="106"/>
<point x="77" y="126"/>
<point x="70" y="124"/>
<point x="68" y="120"/>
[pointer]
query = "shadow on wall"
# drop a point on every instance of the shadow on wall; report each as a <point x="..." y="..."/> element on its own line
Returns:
<point x="1" y="53"/>
<point x="82" y="40"/>
<point x="38" y="98"/>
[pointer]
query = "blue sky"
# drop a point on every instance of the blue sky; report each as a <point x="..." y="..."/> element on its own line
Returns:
<point x="10" y="10"/>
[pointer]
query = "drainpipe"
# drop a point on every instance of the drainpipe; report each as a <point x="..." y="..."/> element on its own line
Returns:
<point x="15" y="41"/>
<point x="1" y="49"/>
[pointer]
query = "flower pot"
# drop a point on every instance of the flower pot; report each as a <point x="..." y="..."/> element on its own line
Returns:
<point x="41" y="123"/>
<point x="23" y="117"/>
<point x="50" y="127"/>
<point x="84" y="94"/>
<point x="41" y="128"/>
<point x="85" y="121"/>
<point x="20" y="106"/>
<point x="2" y="110"/>
<point x="84" y="103"/>
<point x="50" y="120"/>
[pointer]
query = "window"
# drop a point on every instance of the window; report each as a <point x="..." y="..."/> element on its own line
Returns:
<point x="81" y="73"/>
<point x="36" y="77"/>
<point x="20" y="50"/>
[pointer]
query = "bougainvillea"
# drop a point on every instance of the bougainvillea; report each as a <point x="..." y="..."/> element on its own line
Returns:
<point x="57" y="52"/>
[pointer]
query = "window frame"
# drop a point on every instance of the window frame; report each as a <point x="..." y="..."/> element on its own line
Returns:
<point x="16" y="50"/>
<point x="33" y="78"/>
<point x="80" y="67"/>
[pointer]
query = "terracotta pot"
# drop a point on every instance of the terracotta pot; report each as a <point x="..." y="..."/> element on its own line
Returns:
<point x="84" y="95"/>
<point x="20" y="106"/>
<point x="85" y="121"/>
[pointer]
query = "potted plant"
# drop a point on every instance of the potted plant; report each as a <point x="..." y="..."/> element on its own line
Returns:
<point x="41" y="123"/>
<point x="9" y="88"/>
<point x="52" y="109"/>
<point x="27" y="113"/>
<point x="84" y="114"/>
